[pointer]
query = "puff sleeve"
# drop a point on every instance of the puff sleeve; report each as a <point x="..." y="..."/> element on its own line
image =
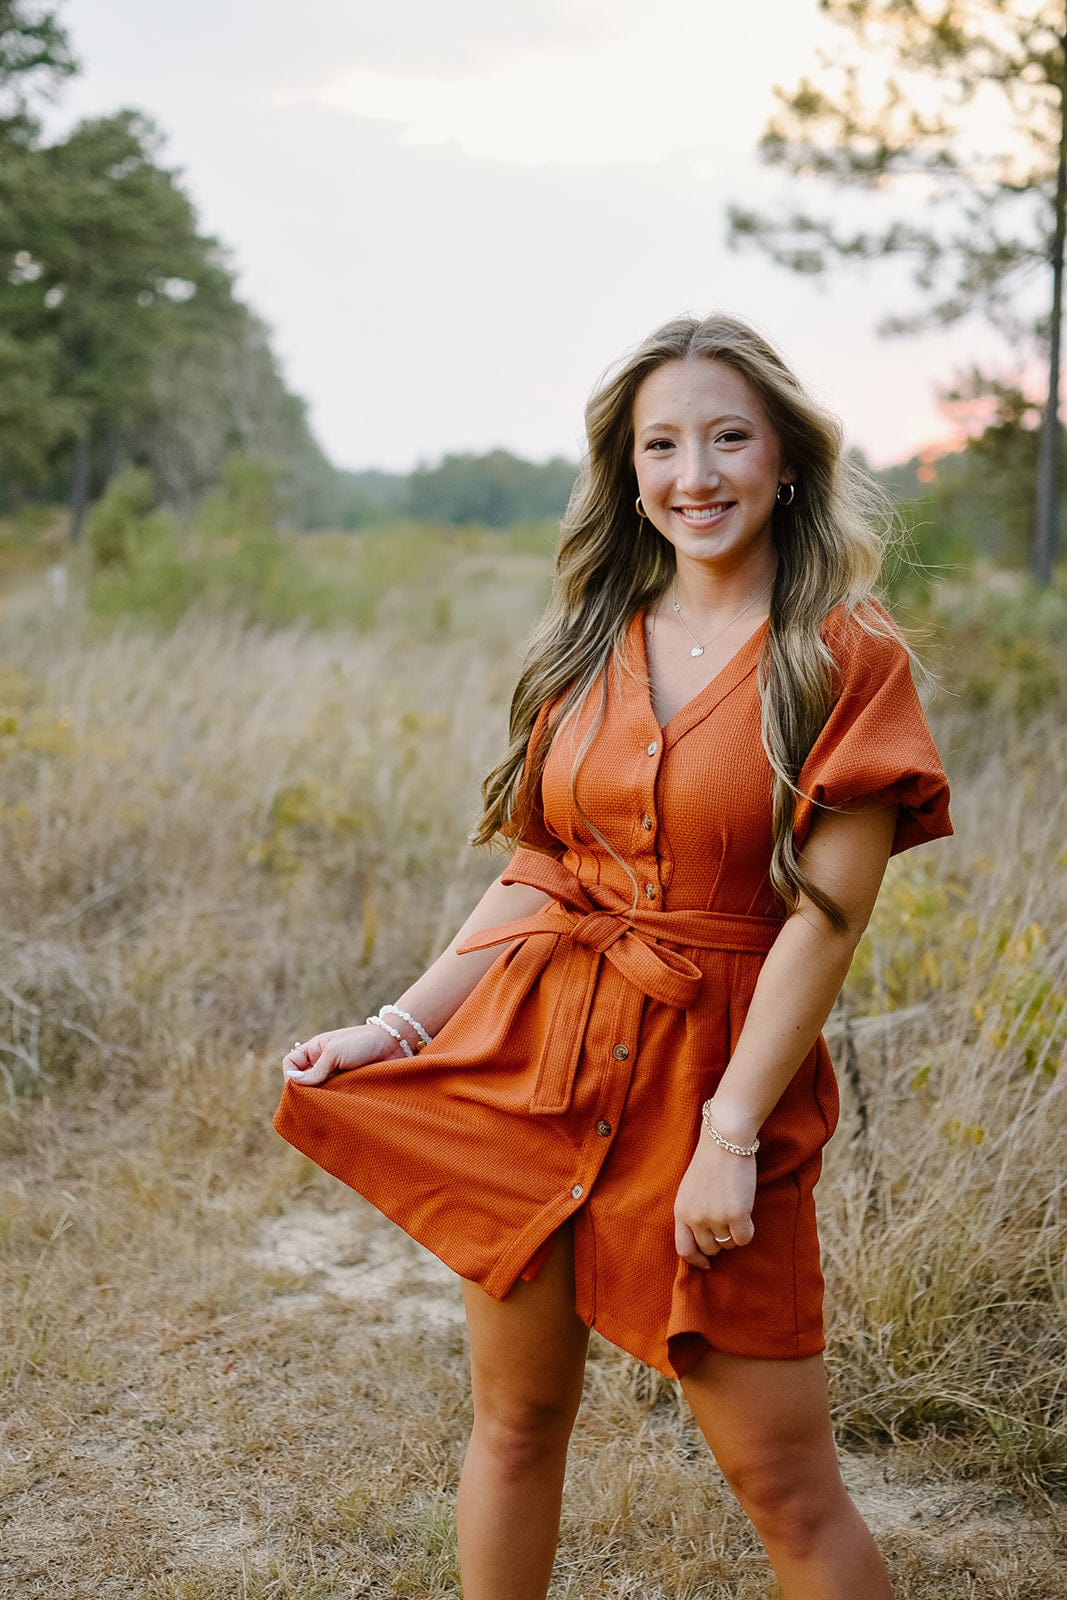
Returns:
<point x="875" y="748"/>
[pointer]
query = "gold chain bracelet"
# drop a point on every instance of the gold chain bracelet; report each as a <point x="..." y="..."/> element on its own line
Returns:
<point x="723" y="1143"/>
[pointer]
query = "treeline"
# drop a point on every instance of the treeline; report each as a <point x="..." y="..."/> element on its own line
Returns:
<point x="978" y="501"/>
<point x="493" y="491"/>
<point x="122" y="341"/>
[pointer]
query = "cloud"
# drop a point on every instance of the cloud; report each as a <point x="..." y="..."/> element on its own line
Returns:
<point x="639" y="86"/>
<point x="415" y="36"/>
<point x="576" y="108"/>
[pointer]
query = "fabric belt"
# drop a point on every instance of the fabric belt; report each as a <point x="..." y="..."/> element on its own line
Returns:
<point x="637" y="942"/>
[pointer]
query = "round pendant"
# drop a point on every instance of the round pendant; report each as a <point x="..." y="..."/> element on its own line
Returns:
<point x="697" y="650"/>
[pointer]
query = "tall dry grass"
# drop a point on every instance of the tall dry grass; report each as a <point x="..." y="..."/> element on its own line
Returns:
<point x="216" y="840"/>
<point x="944" y="1211"/>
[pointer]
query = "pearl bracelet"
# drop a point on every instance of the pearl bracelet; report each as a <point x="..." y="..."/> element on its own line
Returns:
<point x="376" y="1022"/>
<point x="725" y="1144"/>
<point x="412" y="1022"/>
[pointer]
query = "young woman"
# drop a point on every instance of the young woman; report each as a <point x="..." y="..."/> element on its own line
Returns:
<point x="618" y="1119"/>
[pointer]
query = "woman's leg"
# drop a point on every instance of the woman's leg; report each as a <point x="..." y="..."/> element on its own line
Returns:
<point x="527" y="1365"/>
<point x="768" y="1424"/>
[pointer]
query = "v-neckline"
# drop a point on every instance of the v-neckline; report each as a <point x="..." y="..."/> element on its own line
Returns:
<point x="699" y="705"/>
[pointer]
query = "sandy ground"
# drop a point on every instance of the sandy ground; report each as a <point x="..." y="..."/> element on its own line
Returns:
<point x="399" y="1285"/>
<point x="303" y="1444"/>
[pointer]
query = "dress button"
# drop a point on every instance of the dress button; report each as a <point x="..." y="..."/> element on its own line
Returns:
<point x="577" y="1191"/>
<point x="650" y="891"/>
<point x="603" y="1128"/>
<point x="651" y="748"/>
<point x="646" y="822"/>
<point x="621" y="1051"/>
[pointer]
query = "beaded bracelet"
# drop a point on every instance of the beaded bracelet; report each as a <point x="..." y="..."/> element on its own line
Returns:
<point x="412" y="1022"/>
<point x="725" y="1144"/>
<point x="376" y="1022"/>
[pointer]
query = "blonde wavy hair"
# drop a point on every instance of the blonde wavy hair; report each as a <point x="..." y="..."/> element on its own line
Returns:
<point x="610" y="564"/>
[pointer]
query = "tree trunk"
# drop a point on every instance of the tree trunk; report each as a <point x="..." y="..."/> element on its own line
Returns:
<point x="1046" y="533"/>
<point x="113" y="456"/>
<point x="79" y="484"/>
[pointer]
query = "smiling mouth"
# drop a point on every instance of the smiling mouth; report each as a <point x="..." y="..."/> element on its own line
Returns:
<point x="704" y="514"/>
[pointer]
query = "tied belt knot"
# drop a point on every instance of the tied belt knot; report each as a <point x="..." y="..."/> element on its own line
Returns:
<point x="625" y="937"/>
<point x="637" y="942"/>
<point x="599" y="930"/>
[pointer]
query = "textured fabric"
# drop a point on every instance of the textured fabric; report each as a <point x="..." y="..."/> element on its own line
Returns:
<point x="568" y="1085"/>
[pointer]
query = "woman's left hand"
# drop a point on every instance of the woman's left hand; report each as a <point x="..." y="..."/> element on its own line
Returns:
<point x="713" y="1208"/>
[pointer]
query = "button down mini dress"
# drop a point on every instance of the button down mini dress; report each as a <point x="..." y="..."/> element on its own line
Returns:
<point x="567" y="1087"/>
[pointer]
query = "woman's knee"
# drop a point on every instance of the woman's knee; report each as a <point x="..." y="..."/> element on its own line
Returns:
<point x="790" y="1506"/>
<point x="521" y="1433"/>
<point x="768" y="1424"/>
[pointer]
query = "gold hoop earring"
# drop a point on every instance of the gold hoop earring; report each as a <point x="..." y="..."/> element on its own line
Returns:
<point x="787" y="493"/>
<point x="641" y="512"/>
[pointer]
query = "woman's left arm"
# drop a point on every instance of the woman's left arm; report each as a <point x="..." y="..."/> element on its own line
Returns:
<point x="845" y="855"/>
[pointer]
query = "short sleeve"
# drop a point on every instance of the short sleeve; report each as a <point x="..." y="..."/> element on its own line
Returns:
<point x="536" y="835"/>
<point x="876" y="748"/>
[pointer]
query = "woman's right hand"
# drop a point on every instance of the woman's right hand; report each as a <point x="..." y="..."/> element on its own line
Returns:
<point x="338" y="1051"/>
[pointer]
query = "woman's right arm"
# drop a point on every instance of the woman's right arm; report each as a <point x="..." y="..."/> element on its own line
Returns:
<point x="432" y="998"/>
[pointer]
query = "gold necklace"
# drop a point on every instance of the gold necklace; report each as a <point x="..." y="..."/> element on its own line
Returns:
<point x="698" y="648"/>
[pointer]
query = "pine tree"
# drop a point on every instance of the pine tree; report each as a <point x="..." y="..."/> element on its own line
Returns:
<point x="904" y="108"/>
<point x="35" y="56"/>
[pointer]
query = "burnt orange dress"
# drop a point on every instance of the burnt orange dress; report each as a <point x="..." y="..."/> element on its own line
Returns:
<point x="568" y="1085"/>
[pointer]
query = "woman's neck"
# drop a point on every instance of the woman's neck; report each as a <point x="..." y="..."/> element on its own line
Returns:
<point x="707" y="595"/>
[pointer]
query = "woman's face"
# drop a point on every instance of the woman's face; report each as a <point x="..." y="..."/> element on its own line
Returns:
<point x="708" y="465"/>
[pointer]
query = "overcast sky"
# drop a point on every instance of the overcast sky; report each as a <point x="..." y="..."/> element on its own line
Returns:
<point x="453" y="216"/>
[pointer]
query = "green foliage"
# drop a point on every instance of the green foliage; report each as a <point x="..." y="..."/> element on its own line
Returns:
<point x="34" y="56"/>
<point x="246" y="507"/>
<point x="136" y="565"/>
<point x="998" y="644"/>
<point x="997" y="647"/>
<point x="987" y="489"/>
<point x="33" y="417"/>
<point x="116" y="523"/>
<point x="214" y="391"/>
<point x="121" y="339"/>
<point x="927" y="941"/>
<point x="973" y="503"/>
<point x="494" y="490"/>
<point x="117" y="256"/>
<point x="100" y="259"/>
<point x="362" y="498"/>
<point x="235" y="554"/>
<point x="145" y="564"/>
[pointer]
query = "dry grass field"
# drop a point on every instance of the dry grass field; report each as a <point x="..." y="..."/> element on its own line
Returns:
<point x="223" y="1375"/>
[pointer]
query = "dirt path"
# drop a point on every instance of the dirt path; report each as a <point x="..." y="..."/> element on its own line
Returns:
<point x="374" y="1266"/>
<point x="398" y="1285"/>
<point x="285" y="1421"/>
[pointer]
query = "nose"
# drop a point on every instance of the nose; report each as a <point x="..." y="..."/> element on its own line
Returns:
<point x="698" y="472"/>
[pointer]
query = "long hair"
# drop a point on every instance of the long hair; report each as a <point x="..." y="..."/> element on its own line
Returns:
<point x="610" y="564"/>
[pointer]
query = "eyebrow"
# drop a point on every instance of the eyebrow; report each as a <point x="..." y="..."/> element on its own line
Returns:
<point x="716" y="422"/>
